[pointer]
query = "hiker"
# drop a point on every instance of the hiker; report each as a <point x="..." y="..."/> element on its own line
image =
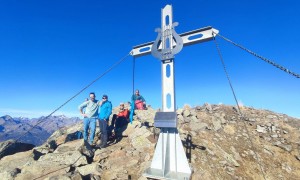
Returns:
<point x="119" y="122"/>
<point x="105" y="112"/>
<point x="139" y="101"/>
<point x="90" y="114"/>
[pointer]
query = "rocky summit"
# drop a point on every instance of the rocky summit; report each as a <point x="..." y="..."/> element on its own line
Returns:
<point x="219" y="144"/>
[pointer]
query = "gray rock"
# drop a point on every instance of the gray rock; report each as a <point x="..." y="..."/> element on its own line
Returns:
<point x="186" y="113"/>
<point x="274" y="135"/>
<point x="228" y="157"/>
<point x="180" y="118"/>
<point x="273" y="128"/>
<point x="271" y="116"/>
<point x="94" y="168"/>
<point x="208" y="107"/>
<point x="179" y="111"/>
<point x="260" y="129"/>
<point x="285" y="147"/>
<point x="198" y="126"/>
<point x="286" y="167"/>
<point x="217" y="124"/>
<point x="10" y="147"/>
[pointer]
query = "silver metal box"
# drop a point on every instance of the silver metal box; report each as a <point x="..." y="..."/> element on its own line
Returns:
<point x="165" y="120"/>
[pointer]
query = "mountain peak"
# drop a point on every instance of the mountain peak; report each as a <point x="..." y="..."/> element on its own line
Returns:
<point x="220" y="144"/>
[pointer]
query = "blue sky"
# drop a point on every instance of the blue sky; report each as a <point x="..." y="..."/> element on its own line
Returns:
<point x="50" y="50"/>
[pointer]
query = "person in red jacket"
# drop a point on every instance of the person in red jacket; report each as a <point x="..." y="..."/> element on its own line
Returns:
<point x="120" y="121"/>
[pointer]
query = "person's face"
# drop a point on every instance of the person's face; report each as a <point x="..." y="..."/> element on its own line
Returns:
<point x="137" y="92"/>
<point x="104" y="98"/>
<point x="92" y="97"/>
<point x="121" y="107"/>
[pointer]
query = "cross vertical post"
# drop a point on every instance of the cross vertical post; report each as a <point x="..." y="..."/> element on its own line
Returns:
<point x="169" y="160"/>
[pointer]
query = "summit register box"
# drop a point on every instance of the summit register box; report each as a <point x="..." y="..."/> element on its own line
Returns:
<point x="165" y="120"/>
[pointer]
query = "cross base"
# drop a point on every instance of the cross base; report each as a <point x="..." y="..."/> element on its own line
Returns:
<point x="169" y="160"/>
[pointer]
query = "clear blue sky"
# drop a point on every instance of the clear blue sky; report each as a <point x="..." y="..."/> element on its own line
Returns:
<point x="49" y="50"/>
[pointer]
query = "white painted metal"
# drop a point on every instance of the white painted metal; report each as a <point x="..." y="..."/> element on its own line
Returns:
<point x="169" y="160"/>
<point x="204" y="34"/>
<point x="168" y="89"/>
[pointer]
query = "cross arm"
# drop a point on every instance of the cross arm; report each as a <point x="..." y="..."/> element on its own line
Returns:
<point x="189" y="38"/>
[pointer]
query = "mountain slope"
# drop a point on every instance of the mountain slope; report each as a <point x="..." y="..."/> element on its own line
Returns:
<point x="13" y="128"/>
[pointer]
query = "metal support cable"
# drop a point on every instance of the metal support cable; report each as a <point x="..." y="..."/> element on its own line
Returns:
<point x="132" y="102"/>
<point x="239" y="110"/>
<point x="261" y="57"/>
<point x="79" y="92"/>
<point x="133" y="74"/>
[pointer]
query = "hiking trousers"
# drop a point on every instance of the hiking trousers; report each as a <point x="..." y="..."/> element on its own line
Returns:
<point x="89" y="123"/>
<point x="103" y="129"/>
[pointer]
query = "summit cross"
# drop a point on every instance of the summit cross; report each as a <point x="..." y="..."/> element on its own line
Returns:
<point x="169" y="160"/>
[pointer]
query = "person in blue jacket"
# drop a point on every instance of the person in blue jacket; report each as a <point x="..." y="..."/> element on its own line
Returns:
<point x="105" y="112"/>
<point x="138" y="100"/>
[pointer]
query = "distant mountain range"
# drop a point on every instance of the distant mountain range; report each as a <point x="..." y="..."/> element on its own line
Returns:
<point x="13" y="128"/>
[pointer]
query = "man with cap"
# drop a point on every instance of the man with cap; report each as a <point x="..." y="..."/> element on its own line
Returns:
<point x="105" y="112"/>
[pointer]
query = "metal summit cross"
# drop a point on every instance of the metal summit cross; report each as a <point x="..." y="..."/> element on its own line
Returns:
<point x="169" y="160"/>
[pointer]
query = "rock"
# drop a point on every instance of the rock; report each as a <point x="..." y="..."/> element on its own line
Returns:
<point x="236" y="155"/>
<point x="267" y="149"/>
<point x="16" y="161"/>
<point x="273" y="128"/>
<point x="139" y="139"/>
<point x="217" y="124"/>
<point x="271" y="116"/>
<point x="67" y="158"/>
<point x="40" y="169"/>
<point x="198" y="126"/>
<point x="229" y="157"/>
<point x="213" y="155"/>
<point x="252" y="120"/>
<point x="286" y="167"/>
<point x="10" y="147"/>
<point x="58" y="177"/>
<point x="285" y="147"/>
<point x="208" y="107"/>
<point x="10" y="174"/>
<point x="260" y="129"/>
<point x="186" y="119"/>
<point x="68" y="153"/>
<point x="228" y="129"/>
<point x="90" y="169"/>
<point x="180" y="118"/>
<point x="179" y="111"/>
<point x="101" y="155"/>
<point x="198" y="108"/>
<point x="186" y="113"/>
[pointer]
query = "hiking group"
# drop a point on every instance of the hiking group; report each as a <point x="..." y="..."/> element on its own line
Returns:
<point x="94" y="110"/>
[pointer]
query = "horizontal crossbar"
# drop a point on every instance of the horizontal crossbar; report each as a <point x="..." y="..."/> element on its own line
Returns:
<point x="189" y="38"/>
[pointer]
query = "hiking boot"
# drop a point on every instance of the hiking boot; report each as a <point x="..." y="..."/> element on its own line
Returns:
<point x="103" y="146"/>
<point x="93" y="145"/>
